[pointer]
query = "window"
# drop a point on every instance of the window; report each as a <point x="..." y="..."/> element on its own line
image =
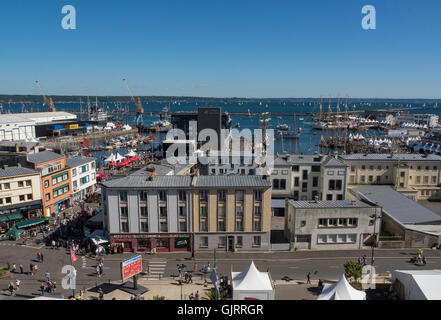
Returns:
<point x="331" y="185"/>
<point x="371" y="167"/>
<point x="239" y="225"/>
<point x="143" y="196"/>
<point x="203" y="225"/>
<point x="371" y="178"/>
<point x="144" y="226"/>
<point x="124" y="226"/>
<point x="162" y="196"/>
<point x="256" y="241"/>
<point x="338" y="185"/>
<point x="329" y="197"/>
<point x="84" y="168"/>
<point x="332" y="222"/>
<point x="203" y="195"/>
<point x="285" y="172"/>
<point x="144" y="212"/>
<point x="75" y="184"/>
<point x="257" y="211"/>
<point x="48" y="197"/>
<point x="418" y="179"/>
<point x="339" y="197"/>
<point x="203" y="212"/>
<point x="282" y="184"/>
<point x="363" y="179"/>
<point x="182" y="196"/>
<point x="183" y="226"/>
<point x="314" y="194"/>
<point x="323" y="223"/>
<point x="402" y="174"/>
<point x="296" y="182"/>
<point x="352" y="222"/>
<point x="276" y="184"/>
<point x="303" y="223"/>
<point x="257" y="225"/>
<point x="239" y="195"/>
<point x="124" y="212"/>
<point x="331" y="173"/>
<point x="8" y="200"/>
<point x="7" y="186"/>
<point x="351" y="238"/>
<point x="351" y="179"/>
<point x="29" y="196"/>
<point x="426" y="180"/>
<point x="46" y="183"/>
<point x="363" y="167"/>
<point x="221" y="211"/>
<point x="322" y="238"/>
<point x="275" y="172"/>
<point x="239" y="241"/>
<point x="182" y="212"/>
<point x="1" y="201"/>
<point x="20" y="184"/>
<point x="379" y="168"/>
<point x="163" y="226"/>
<point x="378" y="179"/>
<point x="304" y="187"/>
<point x="315" y="168"/>
<point x="222" y="241"/>
<point x="352" y="169"/>
<point x="342" y="222"/>
<point x="332" y="238"/>
<point x="257" y="195"/>
<point x="74" y="172"/>
<point x="123" y="196"/>
<point x="221" y="195"/>
<point x="295" y="168"/>
<point x="163" y="212"/>
<point x="305" y="174"/>
<point x="221" y="225"/>
<point x="315" y="181"/>
<point x="204" y="242"/>
<point x="239" y="211"/>
<point x="433" y="179"/>
<point x="22" y="198"/>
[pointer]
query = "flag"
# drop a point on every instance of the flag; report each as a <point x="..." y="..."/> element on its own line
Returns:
<point x="73" y="257"/>
<point x="213" y="278"/>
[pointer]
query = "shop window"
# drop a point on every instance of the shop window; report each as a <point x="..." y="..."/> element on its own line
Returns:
<point x="239" y="241"/>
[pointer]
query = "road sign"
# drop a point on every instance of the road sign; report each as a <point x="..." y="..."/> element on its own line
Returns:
<point x="131" y="267"/>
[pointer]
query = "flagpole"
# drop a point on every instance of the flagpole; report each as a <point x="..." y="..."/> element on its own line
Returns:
<point x="72" y="270"/>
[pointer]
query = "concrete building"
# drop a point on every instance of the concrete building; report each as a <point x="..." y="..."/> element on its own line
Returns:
<point x="231" y="213"/>
<point x="83" y="173"/>
<point x="146" y="210"/>
<point x="55" y="181"/>
<point x="415" y="175"/>
<point x="14" y="127"/>
<point x="330" y="225"/>
<point x="20" y="193"/>
<point x="409" y="224"/>
<point x="305" y="177"/>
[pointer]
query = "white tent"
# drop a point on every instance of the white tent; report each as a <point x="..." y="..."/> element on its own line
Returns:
<point x="417" y="284"/>
<point x="252" y="284"/>
<point x="111" y="158"/>
<point x="341" y="290"/>
<point x="131" y="154"/>
<point x="98" y="237"/>
<point x="119" y="158"/>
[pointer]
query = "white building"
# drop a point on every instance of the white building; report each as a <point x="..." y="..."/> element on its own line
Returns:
<point x="14" y="127"/>
<point x="83" y="172"/>
<point x="330" y="225"/>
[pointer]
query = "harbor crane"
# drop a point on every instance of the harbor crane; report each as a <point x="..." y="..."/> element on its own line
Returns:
<point x="139" y="108"/>
<point x="49" y="102"/>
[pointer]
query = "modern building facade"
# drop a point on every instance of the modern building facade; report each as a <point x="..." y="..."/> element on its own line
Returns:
<point x="331" y="225"/>
<point x="148" y="211"/>
<point x="231" y="213"/>
<point x="20" y="193"/>
<point x="55" y="181"/>
<point x="307" y="177"/>
<point x="83" y="173"/>
<point x="415" y="175"/>
<point x="14" y="127"/>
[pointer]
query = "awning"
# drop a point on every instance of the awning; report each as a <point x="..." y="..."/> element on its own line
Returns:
<point x="31" y="222"/>
<point x="101" y="176"/>
<point x="11" y="217"/>
<point x="128" y="161"/>
<point x="23" y="206"/>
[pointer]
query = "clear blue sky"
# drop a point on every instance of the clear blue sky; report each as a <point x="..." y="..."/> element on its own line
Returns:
<point x="222" y="48"/>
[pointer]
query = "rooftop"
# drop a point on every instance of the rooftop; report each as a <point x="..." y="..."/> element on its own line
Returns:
<point x="16" y="171"/>
<point x="44" y="156"/>
<point x="397" y="206"/>
<point x="293" y="159"/>
<point x="390" y="157"/>
<point x="330" y="204"/>
<point x="143" y="181"/>
<point x="238" y="181"/>
<point x="78" y="161"/>
<point x="333" y="162"/>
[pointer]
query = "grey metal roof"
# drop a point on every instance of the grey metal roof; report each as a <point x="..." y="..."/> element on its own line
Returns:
<point x="390" y="157"/>
<point x="142" y="181"/>
<point x="294" y="159"/>
<point x="44" y="156"/>
<point x="16" y="171"/>
<point x="78" y="161"/>
<point x="330" y="204"/>
<point x="333" y="162"/>
<point x="277" y="203"/>
<point x="230" y="181"/>
<point x="397" y="205"/>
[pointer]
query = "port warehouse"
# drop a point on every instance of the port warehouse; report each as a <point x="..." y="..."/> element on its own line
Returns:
<point x="29" y="126"/>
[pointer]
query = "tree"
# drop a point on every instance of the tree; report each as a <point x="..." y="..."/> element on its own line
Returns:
<point x="353" y="270"/>
<point x="212" y="295"/>
<point x="157" y="297"/>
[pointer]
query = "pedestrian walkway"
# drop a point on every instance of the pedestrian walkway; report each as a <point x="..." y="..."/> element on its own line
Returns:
<point x="156" y="268"/>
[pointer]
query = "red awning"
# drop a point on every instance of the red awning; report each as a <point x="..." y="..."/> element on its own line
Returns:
<point x="128" y="161"/>
<point x="112" y="164"/>
<point x="101" y="176"/>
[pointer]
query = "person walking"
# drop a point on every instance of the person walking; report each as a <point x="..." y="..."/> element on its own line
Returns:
<point x="17" y="284"/>
<point x="14" y="268"/>
<point x="21" y="268"/>
<point x="31" y="268"/>
<point x="308" y="277"/>
<point x="101" y="294"/>
<point x="41" y="257"/>
<point x="48" y="277"/>
<point x="42" y="289"/>
<point x="11" y="288"/>
<point x="196" y="296"/>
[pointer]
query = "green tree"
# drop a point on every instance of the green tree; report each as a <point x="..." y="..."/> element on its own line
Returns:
<point x="353" y="270"/>
<point x="212" y="295"/>
<point x="157" y="297"/>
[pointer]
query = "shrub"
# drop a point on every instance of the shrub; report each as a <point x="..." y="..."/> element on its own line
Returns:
<point x="353" y="270"/>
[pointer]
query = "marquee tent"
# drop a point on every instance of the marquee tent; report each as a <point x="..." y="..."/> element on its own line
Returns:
<point x="341" y="290"/>
<point x="252" y="284"/>
<point x="131" y="154"/>
<point x="417" y="284"/>
<point x="111" y="158"/>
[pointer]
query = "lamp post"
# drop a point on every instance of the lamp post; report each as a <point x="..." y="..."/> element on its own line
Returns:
<point x="374" y="240"/>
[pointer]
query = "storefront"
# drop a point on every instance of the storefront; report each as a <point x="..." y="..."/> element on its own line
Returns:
<point x="145" y="242"/>
<point x="61" y="205"/>
<point x="28" y="210"/>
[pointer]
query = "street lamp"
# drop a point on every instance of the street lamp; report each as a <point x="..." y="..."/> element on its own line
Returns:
<point x="374" y="240"/>
<point x="181" y="267"/>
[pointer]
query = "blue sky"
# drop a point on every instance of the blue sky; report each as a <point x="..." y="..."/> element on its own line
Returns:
<point x="222" y="48"/>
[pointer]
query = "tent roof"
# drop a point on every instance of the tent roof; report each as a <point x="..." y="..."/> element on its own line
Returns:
<point x="251" y="279"/>
<point x="341" y="290"/>
<point x="111" y="158"/>
<point x="427" y="281"/>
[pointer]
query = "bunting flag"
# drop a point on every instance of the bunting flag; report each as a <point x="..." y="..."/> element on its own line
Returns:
<point x="73" y="257"/>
